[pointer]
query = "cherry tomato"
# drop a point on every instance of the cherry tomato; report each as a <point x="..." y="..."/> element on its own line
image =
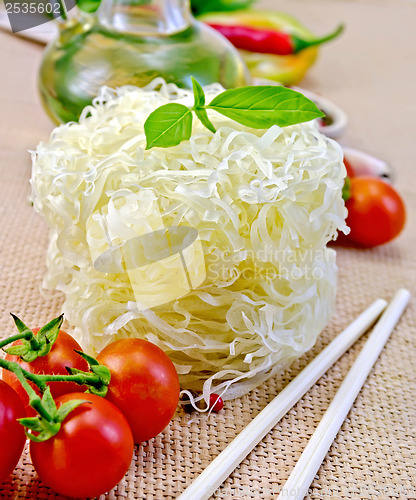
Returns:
<point x="90" y="454"/>
<point x="61" y="354"/>
<point x="144" y="385"/>
<point x="376" y="212"/>
<point x="12" y="434"/>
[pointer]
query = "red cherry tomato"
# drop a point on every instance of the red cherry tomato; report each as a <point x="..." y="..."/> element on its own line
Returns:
<point x="144" y="385"/>
<point x="90" y="454"/>
<point x="376" y="212"/>
<point x="12" y="434"/>
<point x="61" y="354"/>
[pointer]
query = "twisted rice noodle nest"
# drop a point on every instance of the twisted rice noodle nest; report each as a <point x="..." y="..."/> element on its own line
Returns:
<point x="264" y="202"/>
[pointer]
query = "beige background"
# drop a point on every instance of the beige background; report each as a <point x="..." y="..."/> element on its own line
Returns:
<point x="371" y="73"/>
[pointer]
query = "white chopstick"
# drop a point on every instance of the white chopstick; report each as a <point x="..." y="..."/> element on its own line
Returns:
<point x="296" y="487"/>
<point x="221" y="467"/>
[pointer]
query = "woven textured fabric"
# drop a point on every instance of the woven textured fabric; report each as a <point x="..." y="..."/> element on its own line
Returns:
<point x="373" y="456"/>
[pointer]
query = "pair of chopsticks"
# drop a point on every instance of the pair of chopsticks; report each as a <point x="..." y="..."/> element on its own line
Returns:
<point x="309" y="462"/>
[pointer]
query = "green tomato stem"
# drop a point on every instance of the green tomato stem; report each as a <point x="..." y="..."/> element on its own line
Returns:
<point x="82" y="378"/>
<point x="34" y="344"/>
<point x="48" y="422"/>
<point x="28" y="335"/>
<point x="346" y="189"/>
<point x="34" y="400"/>
<point x="23" y="375"/>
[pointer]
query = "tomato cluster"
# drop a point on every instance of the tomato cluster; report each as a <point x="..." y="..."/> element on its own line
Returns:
<point x="93" y="448"/>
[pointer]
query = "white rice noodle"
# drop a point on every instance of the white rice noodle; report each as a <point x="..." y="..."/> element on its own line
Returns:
<point x="265" y="204"/>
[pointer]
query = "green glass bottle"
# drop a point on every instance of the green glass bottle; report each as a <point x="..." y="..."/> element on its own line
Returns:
<point x="132" y="42"/>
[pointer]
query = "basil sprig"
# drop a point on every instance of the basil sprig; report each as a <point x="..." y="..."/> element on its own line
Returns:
<point x="254" y="106"/>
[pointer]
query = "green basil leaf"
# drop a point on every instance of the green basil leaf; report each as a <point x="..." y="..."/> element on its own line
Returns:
<point x="168" y="126"/>
<point x="264" y="106"/>
<point x="202" y="115"/>
<point x="199" y="95"/>
<point x="199" y="105"/>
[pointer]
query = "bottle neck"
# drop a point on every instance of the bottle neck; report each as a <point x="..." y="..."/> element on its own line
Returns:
<point x="145" y="17"/>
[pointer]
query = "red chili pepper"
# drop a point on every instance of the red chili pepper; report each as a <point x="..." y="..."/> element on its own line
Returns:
<point x="268" y="41"/>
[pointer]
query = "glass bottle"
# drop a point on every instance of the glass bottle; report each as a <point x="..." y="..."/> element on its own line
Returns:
<point x="132" y="42"/>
